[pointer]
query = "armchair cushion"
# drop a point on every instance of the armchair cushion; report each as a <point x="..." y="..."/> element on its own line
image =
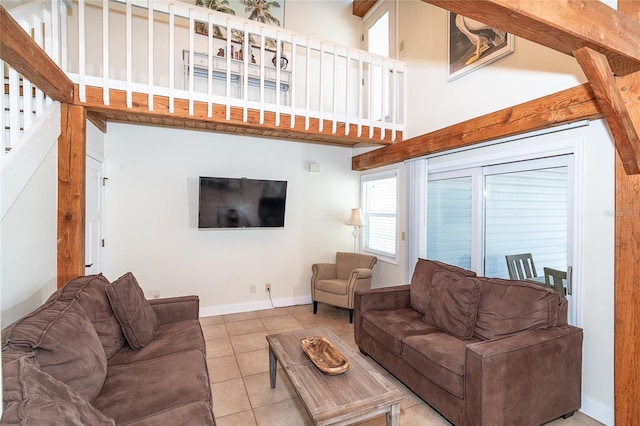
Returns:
<point x="336" y="286"/>
<point x="134" y="313"/>
<point x="421" y="281"/>
<point x="452" y="303"/>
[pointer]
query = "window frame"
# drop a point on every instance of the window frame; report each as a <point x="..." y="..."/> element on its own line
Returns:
<point x="364" y="180"/>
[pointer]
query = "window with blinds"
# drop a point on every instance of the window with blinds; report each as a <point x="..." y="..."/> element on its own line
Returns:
<point x="380" y="214"/>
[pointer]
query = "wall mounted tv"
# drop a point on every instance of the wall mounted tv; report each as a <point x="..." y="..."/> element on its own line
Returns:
<point x="241" y="203"/>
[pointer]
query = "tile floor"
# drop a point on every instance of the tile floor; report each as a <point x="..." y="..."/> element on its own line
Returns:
<point x="238" y="362"/>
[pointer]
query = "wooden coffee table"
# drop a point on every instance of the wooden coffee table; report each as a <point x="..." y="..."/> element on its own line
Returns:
<point x="356" y="395"/>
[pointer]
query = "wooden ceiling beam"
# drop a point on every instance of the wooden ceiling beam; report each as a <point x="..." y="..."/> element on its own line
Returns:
<point x="565" y="26"/>
<point x="19" y="50"/>
<point x="577" y="103"/>
<point x="609" y="96"/>
<point x="361" y="7"/>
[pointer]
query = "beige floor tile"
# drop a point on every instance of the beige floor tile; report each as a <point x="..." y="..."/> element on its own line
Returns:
<point x="285" y="413"/>
<point x="299" y="308"/>
<point x="253" y="362"/>
<point x="249" y="342"/>
<point x="216" y="331"/>
<point x="260" y="392"/>
<point x="229" y="397"/>
<point x="243" y="418"/>
<point x="273" y="312"/>
<point x="309" y="318"/>
<point x="238" y="328"/>
<point x="280" y="322"/>
<point x="578" y="419"/>
<point x="219" y="347"/>
<point x="242" y="316"/>
<point x="217" y="319"/>
<point x="223" y="368"/>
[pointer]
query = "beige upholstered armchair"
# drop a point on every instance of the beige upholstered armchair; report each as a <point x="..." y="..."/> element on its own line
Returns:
<point x="336" y="283"/>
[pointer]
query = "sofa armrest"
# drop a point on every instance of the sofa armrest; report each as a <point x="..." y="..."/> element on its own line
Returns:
<point x="542" y="367"/>
<point x="174" y="309"/>
<point x="377" y="299"/>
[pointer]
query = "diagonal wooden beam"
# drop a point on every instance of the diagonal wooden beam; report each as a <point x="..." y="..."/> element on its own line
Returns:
<point x="19" y="50"/>
<point x="562" y="25"/>
<point x="573" y="104"/>
<point x="596" y="68"/>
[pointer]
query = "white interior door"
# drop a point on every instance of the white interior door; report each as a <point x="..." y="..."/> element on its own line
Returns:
<point x="93" y="217"/>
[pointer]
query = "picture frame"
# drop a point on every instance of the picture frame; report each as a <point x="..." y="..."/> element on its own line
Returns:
<point x="272" y="12"/>
<point x="473" y="44"/>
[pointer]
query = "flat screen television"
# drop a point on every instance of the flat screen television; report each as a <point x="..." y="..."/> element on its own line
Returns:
<point x="241" y="203"/>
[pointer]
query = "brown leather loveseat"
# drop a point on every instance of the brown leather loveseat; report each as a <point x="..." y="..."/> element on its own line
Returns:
<point x="98" y="353"/>
<point x="481" y="351"/>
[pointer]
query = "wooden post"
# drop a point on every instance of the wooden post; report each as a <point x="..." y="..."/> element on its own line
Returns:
<point x="627" y="263"/>
<point x="71" y="192"/>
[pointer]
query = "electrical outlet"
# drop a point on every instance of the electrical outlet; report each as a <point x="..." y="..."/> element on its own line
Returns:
<point x="252" y="288"/>
<point x="267" y="287"/>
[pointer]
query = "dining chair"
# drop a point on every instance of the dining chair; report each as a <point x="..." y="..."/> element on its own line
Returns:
<point x="555" y="279"/>
<point x="521" y="266"/>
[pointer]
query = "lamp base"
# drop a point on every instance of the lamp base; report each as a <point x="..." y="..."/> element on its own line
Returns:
<point x="355" y="233"/>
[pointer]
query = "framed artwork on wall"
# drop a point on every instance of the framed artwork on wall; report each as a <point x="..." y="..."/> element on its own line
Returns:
<point x="268" y="12"/>
<point x="473" y="44"/>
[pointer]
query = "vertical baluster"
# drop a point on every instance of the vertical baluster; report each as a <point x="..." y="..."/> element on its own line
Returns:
<point x="371" y="81"/>
<point x="39" y="37"/>
<point x="360" y="93"/>
<point x="60" y="10"/>
<point x="192" y="30"/>
<point x="82" y="57"/>
<point x="150" y="88"/>
<point x="245" y="75"/>
<point x="321" y="94"/>
<point x="279" y="48"/>
<point x="307" y="95"/>
<point x="53" y="34"/>
<point x="347" y="115"/>
<point x="262" y="56"/>
<point x="334" y="125"/>
<point x="105" y="52"/>
<point x="394" y="102"/>
<point x="384" y="78"/>
<point x="4" y="143"/>
<point x="292" y="82"/>
<point x="228" y="81"/>
<point x="14" y="105"/>
<point x="129" y="48"/>
<point x="172" y="44"/>
<point x="210" y="65"/>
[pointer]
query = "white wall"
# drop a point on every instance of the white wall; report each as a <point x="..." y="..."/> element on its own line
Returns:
<point x="151" y="210"/>
<point x="29" y="233"/>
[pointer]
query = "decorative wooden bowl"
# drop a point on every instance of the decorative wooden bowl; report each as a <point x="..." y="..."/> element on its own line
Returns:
<point x="324" y="355"/>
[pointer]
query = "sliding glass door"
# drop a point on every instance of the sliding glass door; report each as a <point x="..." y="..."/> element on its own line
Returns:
<point x="477" y="216"/>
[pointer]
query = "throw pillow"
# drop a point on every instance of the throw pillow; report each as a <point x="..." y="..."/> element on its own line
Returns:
<point x="33" y="397"/>
<point x="421" y="281"/>
<point x="134" y="313"/>
<point x="453" y="303"/>
<point x="65" y="345"/>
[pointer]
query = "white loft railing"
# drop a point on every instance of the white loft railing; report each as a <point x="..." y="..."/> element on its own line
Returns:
<point x="21" y="103"/>
<point x="160" y="48"/>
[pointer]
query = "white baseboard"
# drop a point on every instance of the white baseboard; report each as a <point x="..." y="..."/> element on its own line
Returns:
<point x="597" y="410"/>
<point x="208" y="311"/>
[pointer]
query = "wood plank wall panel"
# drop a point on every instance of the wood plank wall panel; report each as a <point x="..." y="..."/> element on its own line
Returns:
<point x="71" y="192"/>
<point x="627" y="264"/>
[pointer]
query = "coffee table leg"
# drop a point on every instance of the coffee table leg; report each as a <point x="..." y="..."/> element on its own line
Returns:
<point x="272" y="368"/>
<point x="393" y="416"/>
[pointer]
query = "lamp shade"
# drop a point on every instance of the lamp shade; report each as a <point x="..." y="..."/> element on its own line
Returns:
<point x="355" y="219"/>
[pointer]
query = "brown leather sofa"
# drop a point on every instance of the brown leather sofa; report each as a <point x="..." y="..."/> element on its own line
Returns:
<point x="99" y="353"/>
<point x="481" y="351"/>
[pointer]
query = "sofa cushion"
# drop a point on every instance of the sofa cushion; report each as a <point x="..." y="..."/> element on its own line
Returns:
<point x="33" y="397"/>
<point x="439" y="357"/>
<point x="390" y="327"/>
<point x="421" y="281"/>
<point x="135" y="391"/>
<point x="134" y="313"/>
<point x="91" y="292"/>
<point x="65" y="345"/>
<point x="169" y="339"/>
<point x="452" y="303"/>
<point x="509" y="306"/>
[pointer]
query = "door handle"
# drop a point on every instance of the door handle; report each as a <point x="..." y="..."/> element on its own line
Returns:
<point x="89" y="265"/>
<point x="569" y="280"/>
